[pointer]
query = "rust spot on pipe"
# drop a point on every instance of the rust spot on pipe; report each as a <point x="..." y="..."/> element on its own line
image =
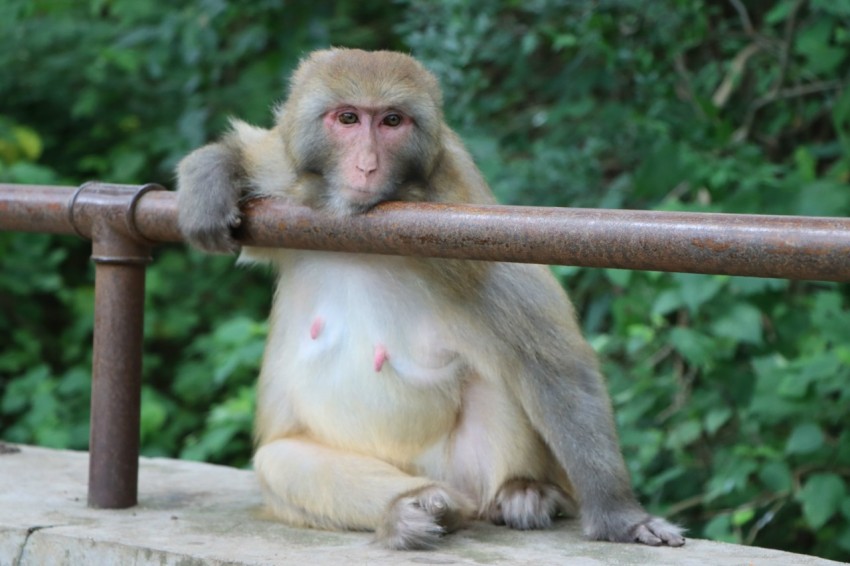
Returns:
<point x="712" y="245"/>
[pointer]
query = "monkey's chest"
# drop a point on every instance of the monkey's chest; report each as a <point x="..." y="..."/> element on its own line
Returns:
<point x="369" y="359"/>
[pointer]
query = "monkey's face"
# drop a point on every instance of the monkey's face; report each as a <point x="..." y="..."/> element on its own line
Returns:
<point x="360" y="128"/>
<point x="373" y="154"/>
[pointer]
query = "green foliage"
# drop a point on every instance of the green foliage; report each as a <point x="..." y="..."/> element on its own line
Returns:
<point x="750" y="389"/>
<point x="121" y="91"/>
<point x="731" y="393"/>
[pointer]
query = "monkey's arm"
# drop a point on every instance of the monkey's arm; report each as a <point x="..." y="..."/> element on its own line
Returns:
<point x="213" y="180"/>
<point x="564" y="395"/>
<point x="210" y="183"/>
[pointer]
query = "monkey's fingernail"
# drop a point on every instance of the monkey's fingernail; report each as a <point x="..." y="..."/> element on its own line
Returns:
<point x="237" y="222"/>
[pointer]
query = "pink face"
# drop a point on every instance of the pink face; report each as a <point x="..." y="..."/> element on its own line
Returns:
<point x="366" y="141"/>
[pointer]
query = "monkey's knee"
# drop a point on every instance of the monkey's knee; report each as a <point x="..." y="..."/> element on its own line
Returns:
<point x="526" y="504"/>
<point x="418" y="519"/>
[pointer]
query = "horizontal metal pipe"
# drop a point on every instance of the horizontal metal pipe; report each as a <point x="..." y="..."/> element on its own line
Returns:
<point x="733" y="244"/>
<point x="35" y="208"/>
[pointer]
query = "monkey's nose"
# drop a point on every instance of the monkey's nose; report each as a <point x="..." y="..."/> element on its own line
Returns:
<point x="367" y="163"/>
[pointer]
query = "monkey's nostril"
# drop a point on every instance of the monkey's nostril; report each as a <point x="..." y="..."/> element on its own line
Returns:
<point x="367" y="163"/>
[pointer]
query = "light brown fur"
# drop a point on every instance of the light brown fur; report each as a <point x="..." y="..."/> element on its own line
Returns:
<point x="405" y="395"/>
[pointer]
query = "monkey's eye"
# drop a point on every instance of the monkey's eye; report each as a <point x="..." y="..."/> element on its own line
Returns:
<point x="347" y="118"/>
<point x="392" y="120"/>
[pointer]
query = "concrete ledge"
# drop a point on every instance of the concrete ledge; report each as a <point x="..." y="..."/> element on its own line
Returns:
<point x="192" y="513"/>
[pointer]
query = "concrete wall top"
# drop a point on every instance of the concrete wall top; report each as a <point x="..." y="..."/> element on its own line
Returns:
<point x="192" y="513"/>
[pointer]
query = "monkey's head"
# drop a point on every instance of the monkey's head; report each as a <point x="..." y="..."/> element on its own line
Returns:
<point x="364" y="127"/>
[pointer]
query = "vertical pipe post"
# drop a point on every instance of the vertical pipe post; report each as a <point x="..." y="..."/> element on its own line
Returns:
<point x="106" y="214"/>
<point x="116" y="372"/>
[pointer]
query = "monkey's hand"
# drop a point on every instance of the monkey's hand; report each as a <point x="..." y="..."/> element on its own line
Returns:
<point x="208" y="196"/>
<point x="632" y="525"/>
<point x="416" y="520"/>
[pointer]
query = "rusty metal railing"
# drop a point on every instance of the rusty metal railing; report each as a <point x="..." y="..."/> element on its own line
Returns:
<point x="123" y="223"/>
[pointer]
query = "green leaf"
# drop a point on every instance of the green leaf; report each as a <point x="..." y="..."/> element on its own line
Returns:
<point x="824" y="198"/>
<point x="697" y="290"/>
<point x="29" y="142"/>
<point x="806" y="164"/>
<point x="619" y="277"/>
<point x="684" y="434"/>
<point x="660" y="171"/>
<point x="779" y="12"/>
<point x="695" y="347"/>
<point x="720" y="529"/>
<point x="792" y="386"/>
<point x="753" y="285"/>
<point x="821" y="497"/>
<point x="743" y="323"/>
<point x="564" y="40"/>
<point x="776" y="476"/>
<point x="804" y="439"/>
<point x="837" y="7"/>
<point x="743" y="516"/>
<point x="716" y="418"/>
<point x="667" y="302"/>
<point x="813" y="42"/>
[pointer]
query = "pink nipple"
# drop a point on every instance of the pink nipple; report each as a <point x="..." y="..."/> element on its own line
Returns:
<point x="316" y="327"/>
<point x="381" y="356"/>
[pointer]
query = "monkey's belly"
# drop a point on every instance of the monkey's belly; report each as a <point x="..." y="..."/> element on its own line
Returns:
<point x="343" y="401"/>
<point x="366" y="363"/>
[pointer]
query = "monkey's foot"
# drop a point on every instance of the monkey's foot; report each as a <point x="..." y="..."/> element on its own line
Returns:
<point x="528" y="504"/>
<point x="418" y="519"/>
<point x="632" y="525"/>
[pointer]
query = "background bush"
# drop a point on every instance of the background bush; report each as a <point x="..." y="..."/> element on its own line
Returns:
<point x="732" y="394"/>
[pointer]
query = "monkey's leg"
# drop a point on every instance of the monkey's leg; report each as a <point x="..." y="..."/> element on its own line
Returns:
<point x="499" y="458"/>
<point x="553" y="373"/>
<point x="574" y="417"/>
<point x="308" y="484"/>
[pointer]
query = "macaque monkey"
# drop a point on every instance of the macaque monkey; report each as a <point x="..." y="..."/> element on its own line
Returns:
<point x="404" y="395"/>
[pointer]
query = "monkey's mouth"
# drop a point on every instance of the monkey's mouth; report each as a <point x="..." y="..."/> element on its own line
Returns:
<point x="364" y="196"/>
<point x="368" y="192"/>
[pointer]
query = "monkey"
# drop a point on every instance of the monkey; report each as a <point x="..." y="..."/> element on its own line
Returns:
<point x="407" y="396"/>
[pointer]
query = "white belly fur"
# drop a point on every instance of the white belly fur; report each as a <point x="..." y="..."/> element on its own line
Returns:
<point x="431" y="410"/>
<point x="336" y="311"/>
